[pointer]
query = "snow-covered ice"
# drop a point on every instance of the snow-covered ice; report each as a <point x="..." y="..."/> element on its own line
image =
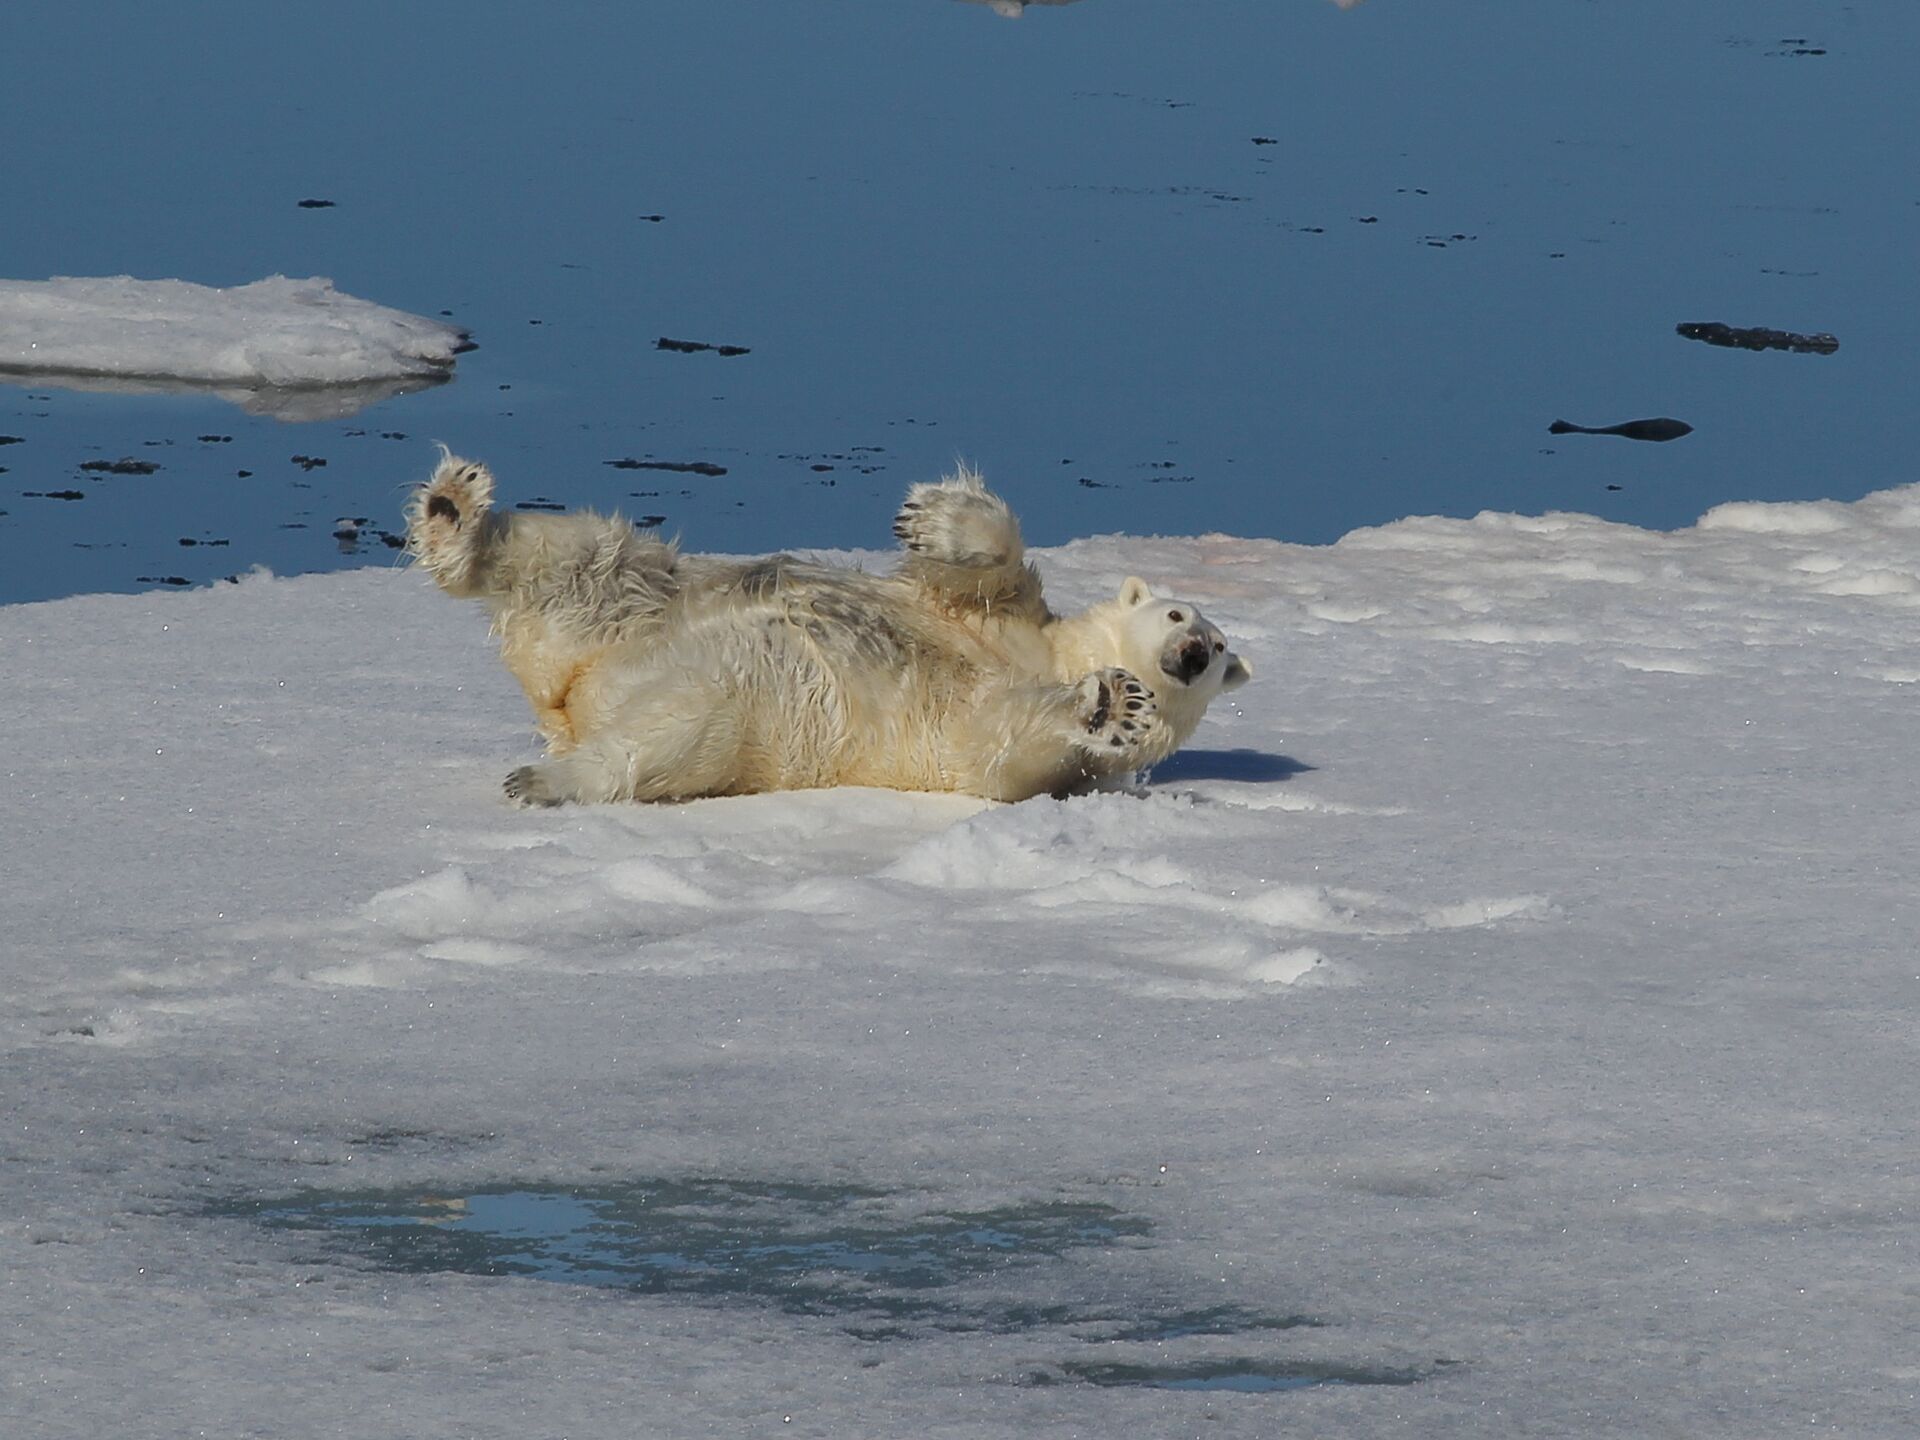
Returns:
<point x="1509" y="993"/>
<point x="258" y="345"/>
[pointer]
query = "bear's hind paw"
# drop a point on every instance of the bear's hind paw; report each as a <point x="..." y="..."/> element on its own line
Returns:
<point x="1112" y="710"/>
<point x="444" y="509"/>
<point x="957" y="524"/>
<point x="527" y="786"/>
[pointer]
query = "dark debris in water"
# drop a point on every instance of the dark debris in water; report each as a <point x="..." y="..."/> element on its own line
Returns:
<point x="125" y="465"/>
<point x="694" y="347"/>
<point x="54" y="494"/>
<point x="681" y="467"/>
<point x="1758" y="338"/>
<point x="1659" y="428"/>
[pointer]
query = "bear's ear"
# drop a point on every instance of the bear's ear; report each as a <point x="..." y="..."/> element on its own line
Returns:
<point x="1134" y="591"/>
<point x="1237" y="673"/>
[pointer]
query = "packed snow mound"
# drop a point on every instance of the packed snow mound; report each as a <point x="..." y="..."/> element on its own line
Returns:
<point x="273" y="332"/>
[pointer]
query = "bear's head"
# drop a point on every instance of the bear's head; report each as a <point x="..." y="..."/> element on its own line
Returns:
<point x="1174" y="648"/>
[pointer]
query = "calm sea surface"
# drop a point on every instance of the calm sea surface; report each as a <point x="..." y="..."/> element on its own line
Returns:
<point x="1271" y="267"/>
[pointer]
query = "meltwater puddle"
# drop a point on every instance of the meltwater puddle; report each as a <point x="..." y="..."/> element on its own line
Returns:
<point x="817" y="1250"/>
<point x="855" y="1254"/>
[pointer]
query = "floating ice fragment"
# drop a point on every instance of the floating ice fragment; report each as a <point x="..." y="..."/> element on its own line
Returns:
<point x="275" y="334"/>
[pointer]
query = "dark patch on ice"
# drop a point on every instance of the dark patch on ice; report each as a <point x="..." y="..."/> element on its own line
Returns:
<point x="161" y="580"/>
<point x="126" y="465"/>
<point x="681" y="467"/>
<point x="651" y="219"/>
<point x="316" y="204"/>
<point x="1757" y="338"/>
<point x="832" y="1250"/>
<point x="1246" y="1376"/>
<point x="1247" y="765"/>
<point x="54" y="494"/>
<point x="214" y="439"/>
<point x="880" y="1264"/>
<point x="188" y="540"/>
<point x="694" y="347"/>
<point x="309" y="462"/>
<point x="1265" y="140"/>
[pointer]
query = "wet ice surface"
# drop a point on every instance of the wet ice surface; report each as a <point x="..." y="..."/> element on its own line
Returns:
<point x="1498" y="1018"/>
<point x="1267" y="267"/>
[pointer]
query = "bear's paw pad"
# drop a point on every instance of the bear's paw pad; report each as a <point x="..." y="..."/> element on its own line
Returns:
<point x="1113" y="709"/>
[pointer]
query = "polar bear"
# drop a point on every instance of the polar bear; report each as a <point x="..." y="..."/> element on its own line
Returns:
<point x="657" y="675"/>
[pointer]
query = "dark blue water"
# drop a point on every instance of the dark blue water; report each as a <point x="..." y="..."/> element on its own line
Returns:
<point x="1263" y="266"/>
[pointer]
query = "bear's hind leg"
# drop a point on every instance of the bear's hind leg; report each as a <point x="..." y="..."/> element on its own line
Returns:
<point x="963" y="545"/>
<point x="680" y="740"/>
<point x="450" y="525"/>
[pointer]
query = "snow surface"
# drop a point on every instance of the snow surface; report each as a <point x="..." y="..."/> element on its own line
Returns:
<point x="1517" y="981"/>
<point x="276" y="333"/>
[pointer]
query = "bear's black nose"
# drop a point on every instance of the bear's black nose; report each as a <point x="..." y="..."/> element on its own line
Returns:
<point x="1190" y="661"/>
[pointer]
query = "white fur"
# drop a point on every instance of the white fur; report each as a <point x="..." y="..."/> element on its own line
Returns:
<point x="655" y="675"/>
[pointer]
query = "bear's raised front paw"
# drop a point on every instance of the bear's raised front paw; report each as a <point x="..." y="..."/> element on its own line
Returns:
<point x="1113" y="710"/>
<point x="527" y="786"/>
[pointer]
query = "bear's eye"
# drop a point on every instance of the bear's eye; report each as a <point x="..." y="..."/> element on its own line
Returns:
<point x="1219" y="647"/>
<point x="1176" y="617"/>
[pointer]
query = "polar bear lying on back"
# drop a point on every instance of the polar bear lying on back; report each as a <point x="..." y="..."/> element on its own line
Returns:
<point x="661" y="676"/>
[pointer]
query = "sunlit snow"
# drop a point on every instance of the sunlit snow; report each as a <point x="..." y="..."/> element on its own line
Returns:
<point x="1499" y="1021"/>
